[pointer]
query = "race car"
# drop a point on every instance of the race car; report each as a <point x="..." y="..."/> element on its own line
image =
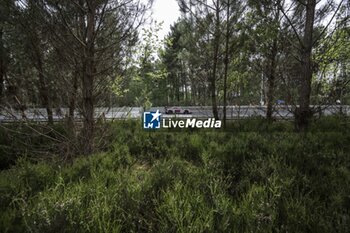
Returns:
<point x="177" y="110"/>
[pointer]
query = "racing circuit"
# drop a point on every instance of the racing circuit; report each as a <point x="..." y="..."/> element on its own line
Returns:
<point x="118" y="113"/>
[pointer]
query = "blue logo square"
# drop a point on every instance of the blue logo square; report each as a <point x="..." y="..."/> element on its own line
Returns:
<point x="151" y="120"/>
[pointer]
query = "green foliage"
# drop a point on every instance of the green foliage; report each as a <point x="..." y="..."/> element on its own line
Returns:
<point x="31" y="139"/>
<point x="189" y="181"/>
<point x="147" y="81"/>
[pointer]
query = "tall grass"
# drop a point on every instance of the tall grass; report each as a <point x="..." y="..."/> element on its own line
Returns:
<point x="187" y="181"/>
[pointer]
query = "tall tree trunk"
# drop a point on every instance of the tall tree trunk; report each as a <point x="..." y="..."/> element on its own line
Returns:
<point x="213" y="89"/>
<point x="44" y="93"/>
<point x="272" y="69"/>
<point x="177" y="88"/>
<point x="303" y="113"/>
<point x="184" y="83"/>
<point x="226" y="61"/>
<point x="72" y="98"/>
<point x="88" y="81"/>
<point x="2" y="64"/>
<point x="193" y="88"/>
<point x="271" y="81"/>
<point x="215" y="62"/>
<point x="43" y="89"/>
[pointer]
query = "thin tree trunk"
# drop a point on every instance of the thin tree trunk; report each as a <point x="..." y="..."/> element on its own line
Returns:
<point x="44" y="93"/>
<point x="213" y="91"/>
<point x="43" y="89"/>
<point x="272" y="70"/>
<point x="193" y="88"/>
<point x="73" y="97"/>
<point x="271" y="81"/>
<point x="215" y="63"/>
<point x="186" y="91"/>
<point x="88" y="81"/>
<point x="177" y="89"/>
<point x="303" y="113"/>
<point x="2" y="65"/>
<point x="226" y="60"/>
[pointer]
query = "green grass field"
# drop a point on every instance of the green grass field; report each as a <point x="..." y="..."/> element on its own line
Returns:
<point x="238" y="180"/>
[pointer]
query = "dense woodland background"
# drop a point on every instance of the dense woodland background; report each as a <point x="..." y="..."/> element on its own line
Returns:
<point x="82" y="54"/>
<point x="254" y="175"/>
